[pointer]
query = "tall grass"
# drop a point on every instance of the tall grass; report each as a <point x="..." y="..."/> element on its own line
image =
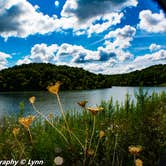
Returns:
<point x="101" y="138"/>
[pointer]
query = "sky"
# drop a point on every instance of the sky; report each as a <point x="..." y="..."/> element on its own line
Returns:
<point x="101" y="36"/>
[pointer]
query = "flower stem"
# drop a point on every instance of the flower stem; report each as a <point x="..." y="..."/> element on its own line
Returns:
<point x="30" y="135"/>
<point x="86" y="144"/>
<point x="50" y="123"/>
<point x="62" y="111"/>
<point x="93" y="130"/>
<point x="22" y="150"/>
<point x="113" y="160"/>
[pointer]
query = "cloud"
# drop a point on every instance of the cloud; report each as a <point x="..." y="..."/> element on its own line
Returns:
<point x="96" y="24"/>
<point x="3" y="60"/>
<point x="154" y="47"/>
<point x="25" y="60"/>
<point x="106" y="59"/>
<point x="152" y="22"/>
<point x="93" y="16"/>
<point x="76" y="54"/>
<point x="19" y="18"/>
<point x="105" y="22"/>
<point x="40" y="53"/>
<point x="122" y="36"/>
<point x="157" y="56"/>
<point x="79" y="54"/>
<point x="138" y="63"/>
<point x="85" y="9"/>
<point x="43" y="53"/>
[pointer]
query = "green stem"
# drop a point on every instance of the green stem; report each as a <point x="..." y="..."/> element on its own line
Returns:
<point x="93" y="130"/>
<point x="22" y="150"/>
<point x="91" y="160"/>
<point x="30" y="134"/>
<point x="50" y="123"/>
<point x="86" y="144"/>
<point x="67" y="125"/>
<point x="134" y="159"/>
<point x="97" y="146"/>
<point x="113" y="160"/>
<point x="62" y="111"/>
<point x="82" y="146"/>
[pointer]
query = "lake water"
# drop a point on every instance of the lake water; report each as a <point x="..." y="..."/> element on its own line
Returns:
<point x="46" y="102"/>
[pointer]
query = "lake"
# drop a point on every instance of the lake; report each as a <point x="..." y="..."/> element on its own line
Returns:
<point x="46" y="102"/>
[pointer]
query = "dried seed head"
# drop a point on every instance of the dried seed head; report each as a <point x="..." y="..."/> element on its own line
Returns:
<point x="135" y="149"/>
<point x="32" y="99"/>
<point x="54" y="88"/>
<point x="95" y="110"/>
<point x="26" y="122"/>
<point x="101" y="134"/>
<point x="138" y="162"/>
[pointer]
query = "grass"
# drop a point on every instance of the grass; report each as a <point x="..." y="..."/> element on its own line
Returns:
<point x="97" y="136"/>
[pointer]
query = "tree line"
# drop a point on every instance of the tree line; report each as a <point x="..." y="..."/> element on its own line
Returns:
<point x="151" y="76"/>
<point x="37" y="76"/>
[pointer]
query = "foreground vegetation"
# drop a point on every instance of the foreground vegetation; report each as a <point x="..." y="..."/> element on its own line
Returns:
<point x="113" y="135"/>
<point x="39" y="76"/>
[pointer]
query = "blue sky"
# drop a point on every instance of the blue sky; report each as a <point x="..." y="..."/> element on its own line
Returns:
<point x="102" y="36"/>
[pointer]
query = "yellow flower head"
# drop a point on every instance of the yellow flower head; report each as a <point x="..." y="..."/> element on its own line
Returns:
<point x="135" y="149"/>
<point x="138" y="162"/>
<point x="82" y="103"/>
<point x="54" y="88"/>
<point x="32" y="99"/>
<point x="16" y="131"/>
<point x="94" y="111"/>
<point x="101" y="134"/>
<point x="90" y="152"/>
<point x="26" y="122"/>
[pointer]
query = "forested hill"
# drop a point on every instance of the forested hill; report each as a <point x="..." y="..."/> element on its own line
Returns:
<point x="38" y="76"/>
<point x="151" y="76"/>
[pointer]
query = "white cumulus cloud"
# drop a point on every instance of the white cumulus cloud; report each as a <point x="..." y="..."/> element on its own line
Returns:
<point x="122" y="36"/>
<point x="3" y="60"/>
<point x="152" y="22"/>
<point x="154" y="47"/>
<point x="76" y="54"/>
<point x="40" y="53"/>
<point x="43" y="53"/>
<point x="19" y="18"/>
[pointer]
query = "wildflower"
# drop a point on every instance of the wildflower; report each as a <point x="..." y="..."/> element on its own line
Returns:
<point x="26" y="122"/>
<point x="94" y="111"/>
<point x="54" y="88"/>
<point x="135" y="149"/>
<point x="51" y="115"/>
<point x="101" y="134"/>
<point x="58" y="160"/>
<point x="138" y="162"/>
<point x="90" y="152"/>
<point x="32" y="99"/>
<point x="82" y="103"/>
<point x="16" y="131"/>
